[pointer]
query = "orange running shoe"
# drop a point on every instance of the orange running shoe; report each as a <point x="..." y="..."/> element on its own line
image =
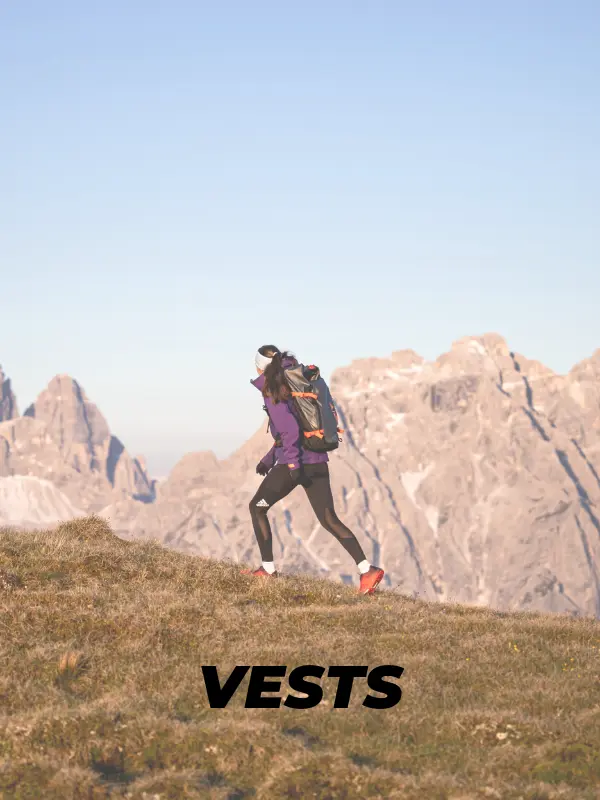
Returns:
<point x="370" y="580"/>
<point x="261" y="572"/>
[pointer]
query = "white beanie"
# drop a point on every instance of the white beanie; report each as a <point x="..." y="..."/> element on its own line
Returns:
<point x="262" y="362"/>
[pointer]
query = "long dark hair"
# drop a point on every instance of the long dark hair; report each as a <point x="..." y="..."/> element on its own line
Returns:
<point x="275" y="383"/>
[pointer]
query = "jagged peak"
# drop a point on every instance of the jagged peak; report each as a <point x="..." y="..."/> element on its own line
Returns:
<point x="489" y="344"/>
<point x="588" y="367"/>
<point x="371" y="364"/>
<point x="80" y="420"/>
<point x="529" y="365"/>
<point x="407" y="358"/>
<point x="63" y="381"/>
<point x="199" y="461"/>
<point x="63" y="386"/>
<point x="8" y="400"/>
<point x="486" y="344"/>
<point x="59" y="388"/>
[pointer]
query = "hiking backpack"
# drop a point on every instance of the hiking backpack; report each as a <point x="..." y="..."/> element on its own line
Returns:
<point x="315" y="409"/>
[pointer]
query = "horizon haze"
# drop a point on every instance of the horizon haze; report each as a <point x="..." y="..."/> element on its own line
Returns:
<point x="225" y="454"/>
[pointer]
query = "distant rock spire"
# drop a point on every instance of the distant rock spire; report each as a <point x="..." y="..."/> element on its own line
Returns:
<point x="8" y="401"/>
<point x="82" y="435"/>
<point x="73" y="422"/>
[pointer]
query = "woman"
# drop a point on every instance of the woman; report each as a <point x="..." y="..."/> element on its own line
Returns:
<point x="287" y="465"/>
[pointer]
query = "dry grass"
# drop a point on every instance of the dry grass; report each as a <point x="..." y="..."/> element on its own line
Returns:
<point x="101" y="690"/>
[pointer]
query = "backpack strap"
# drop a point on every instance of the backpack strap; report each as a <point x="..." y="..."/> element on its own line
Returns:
<point x="278" y="442"/>
<point x="268" y="418"/>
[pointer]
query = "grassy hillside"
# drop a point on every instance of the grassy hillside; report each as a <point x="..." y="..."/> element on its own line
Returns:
<point x="101" y="689"/>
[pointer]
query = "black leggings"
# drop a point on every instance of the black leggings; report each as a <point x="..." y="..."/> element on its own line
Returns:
<point x="277" y="485"/>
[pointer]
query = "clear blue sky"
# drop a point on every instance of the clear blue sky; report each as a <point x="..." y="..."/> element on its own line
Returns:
<point x="181" y="182"/>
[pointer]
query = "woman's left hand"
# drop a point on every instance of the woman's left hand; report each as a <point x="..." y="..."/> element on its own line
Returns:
<point x="298" y="476"/>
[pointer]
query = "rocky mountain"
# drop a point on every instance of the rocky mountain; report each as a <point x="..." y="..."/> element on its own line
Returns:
<point x="63" y="441"/>
<point x="472" y="478"/>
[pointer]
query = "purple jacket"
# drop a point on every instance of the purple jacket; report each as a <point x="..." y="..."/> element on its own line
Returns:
<point x="284" y="426"/>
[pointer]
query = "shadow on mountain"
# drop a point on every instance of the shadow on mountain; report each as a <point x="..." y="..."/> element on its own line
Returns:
<point x="591" y="467"/>
<point x="115" y="451"/>
<point x="584" y="498"/>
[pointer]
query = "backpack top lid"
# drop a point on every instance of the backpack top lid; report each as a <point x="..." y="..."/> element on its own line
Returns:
<point x="299" y="375"/>
<point x="310" y="373"/>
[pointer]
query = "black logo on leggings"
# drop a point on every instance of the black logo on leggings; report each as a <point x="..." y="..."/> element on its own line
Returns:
<point x="259" y="684"/>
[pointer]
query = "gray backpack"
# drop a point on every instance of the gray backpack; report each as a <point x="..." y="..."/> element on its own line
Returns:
<point x="315" y="409"/>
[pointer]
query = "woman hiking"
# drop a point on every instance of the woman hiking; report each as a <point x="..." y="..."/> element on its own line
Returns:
<point x="288" y="464"/>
